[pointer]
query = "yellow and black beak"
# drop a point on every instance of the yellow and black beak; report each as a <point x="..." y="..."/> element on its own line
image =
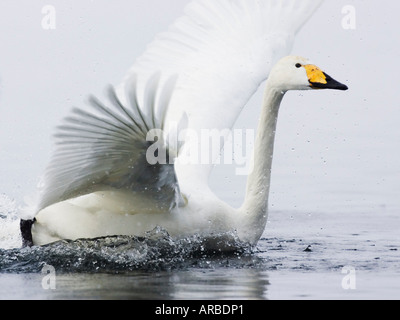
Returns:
<point x="320" y="80"/>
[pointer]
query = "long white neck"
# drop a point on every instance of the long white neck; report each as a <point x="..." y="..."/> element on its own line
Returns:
<point x="254" y="212"/>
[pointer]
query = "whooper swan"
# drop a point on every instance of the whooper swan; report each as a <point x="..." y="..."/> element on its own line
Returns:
<point x="196" y="76"/>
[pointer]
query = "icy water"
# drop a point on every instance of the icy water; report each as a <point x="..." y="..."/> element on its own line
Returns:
<point x="301" y="256"/>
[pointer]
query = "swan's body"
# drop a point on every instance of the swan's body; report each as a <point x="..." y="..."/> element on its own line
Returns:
<point x="100" y="183"/>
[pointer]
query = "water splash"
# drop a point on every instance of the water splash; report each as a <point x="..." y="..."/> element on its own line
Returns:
<point x="9" y="223"/>
<point x="156" y="251"/>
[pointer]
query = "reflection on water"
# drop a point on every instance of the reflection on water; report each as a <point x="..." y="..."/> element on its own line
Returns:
<point x="190" y="284"/>
<point x="221" y="284"/>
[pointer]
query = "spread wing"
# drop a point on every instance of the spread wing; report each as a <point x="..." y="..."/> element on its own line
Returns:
<point x="222" y="50"/>
<point x="108" y="149"/>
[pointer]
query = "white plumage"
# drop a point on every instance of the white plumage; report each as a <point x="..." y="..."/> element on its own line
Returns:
<point x="197" y="75"/>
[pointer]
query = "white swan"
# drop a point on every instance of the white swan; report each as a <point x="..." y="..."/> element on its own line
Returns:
<point x="136" y="197"/>
<point x="100" y="181"/>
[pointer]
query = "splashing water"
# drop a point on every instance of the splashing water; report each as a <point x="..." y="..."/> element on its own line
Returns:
<point x="9" y="224"/>
<point x="156" y="251"/>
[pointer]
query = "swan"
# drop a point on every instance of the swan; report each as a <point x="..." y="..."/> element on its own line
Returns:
<point x="138" y="197"/>
<point x="100" y="181"/>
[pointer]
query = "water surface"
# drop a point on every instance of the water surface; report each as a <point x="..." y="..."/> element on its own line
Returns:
<point x="301" y="256"/>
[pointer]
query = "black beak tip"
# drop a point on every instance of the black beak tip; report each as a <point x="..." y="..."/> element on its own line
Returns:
<point x="330" y="84"/>
<point x="342" y="87"/>
<point x="333" y="84"/>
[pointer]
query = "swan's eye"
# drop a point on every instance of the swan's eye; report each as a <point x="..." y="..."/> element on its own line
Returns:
<point x="298" y="65"/>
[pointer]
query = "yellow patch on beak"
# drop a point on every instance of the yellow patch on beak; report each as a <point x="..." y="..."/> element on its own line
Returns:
<point x="315" y="74"/>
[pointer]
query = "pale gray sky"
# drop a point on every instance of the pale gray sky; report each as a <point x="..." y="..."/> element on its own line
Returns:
<point x="334" y="150"/>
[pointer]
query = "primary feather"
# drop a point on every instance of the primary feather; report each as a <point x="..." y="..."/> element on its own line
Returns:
<point x="107" y="150"/>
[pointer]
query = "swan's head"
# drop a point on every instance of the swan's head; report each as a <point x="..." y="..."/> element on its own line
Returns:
<point x="297" y="73"/>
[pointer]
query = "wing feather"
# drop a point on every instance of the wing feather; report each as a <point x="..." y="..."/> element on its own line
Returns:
<point x="222" y="51"/>
<point x="106" y="150"/>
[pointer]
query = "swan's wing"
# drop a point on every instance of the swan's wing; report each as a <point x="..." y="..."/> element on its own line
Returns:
<point x="107" y="150"/>
<point x="222" y="51"/>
